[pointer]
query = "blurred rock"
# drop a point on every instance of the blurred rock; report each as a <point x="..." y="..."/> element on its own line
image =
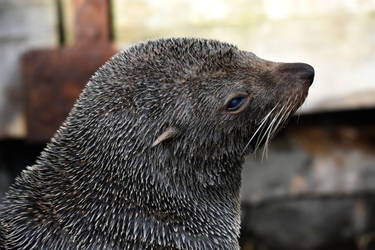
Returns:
<point x="312" y="222"/>
<point x="315" y="190"/>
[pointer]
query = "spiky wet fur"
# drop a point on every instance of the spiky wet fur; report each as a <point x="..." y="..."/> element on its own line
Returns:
<point x="100" y="183"/>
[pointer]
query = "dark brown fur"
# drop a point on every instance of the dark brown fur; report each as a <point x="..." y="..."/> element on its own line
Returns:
<point x="150" y="157"/>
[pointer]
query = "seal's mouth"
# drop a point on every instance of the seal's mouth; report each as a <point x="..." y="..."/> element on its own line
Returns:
<point x="292" y="83"/>
<point x="272" y="122"/>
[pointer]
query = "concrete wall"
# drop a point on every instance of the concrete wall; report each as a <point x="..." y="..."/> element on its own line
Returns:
<point x="337" y="37"/>
<point x="24" y="24"/>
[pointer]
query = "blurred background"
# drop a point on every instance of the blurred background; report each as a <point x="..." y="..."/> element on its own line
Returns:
<point x="315" y="187"/>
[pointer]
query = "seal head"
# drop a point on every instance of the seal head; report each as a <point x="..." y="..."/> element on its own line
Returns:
<point x="150" y="156"/>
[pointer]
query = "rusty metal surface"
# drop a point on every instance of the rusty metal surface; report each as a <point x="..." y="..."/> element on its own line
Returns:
<point x="54" y="78"/>
<point x="92" y="21"/>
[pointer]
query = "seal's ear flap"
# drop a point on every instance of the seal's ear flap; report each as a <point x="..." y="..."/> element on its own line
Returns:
<point x="168" y="133"/>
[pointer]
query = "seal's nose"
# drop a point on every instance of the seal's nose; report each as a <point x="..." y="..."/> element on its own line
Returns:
<point x="301" y="70"/>
<point x="305" y="72"/>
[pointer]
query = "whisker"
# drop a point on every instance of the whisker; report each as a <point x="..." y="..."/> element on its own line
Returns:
<point x="263" y="121"/>
<point x="260" y="128"/>
<point x="269" y="128"/>
<point x="275" y="123"/>
<point x="283" y="118"/>
<point x="262" y="132"/>
<point x="280" y="117"/>
<point x="265" y="146"/>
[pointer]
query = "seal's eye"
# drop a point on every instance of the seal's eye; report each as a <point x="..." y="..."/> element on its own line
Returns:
<point x="237" y="103"/>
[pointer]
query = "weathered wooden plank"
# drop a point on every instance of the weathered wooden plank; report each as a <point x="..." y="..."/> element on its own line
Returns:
<point x="55" y="77"/>
<point x="67" y="21"/>
<point x="53" y="80"/>
<point x="92" y="19"/>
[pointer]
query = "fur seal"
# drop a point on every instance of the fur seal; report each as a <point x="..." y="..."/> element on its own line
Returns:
<point x="150" y="155"/>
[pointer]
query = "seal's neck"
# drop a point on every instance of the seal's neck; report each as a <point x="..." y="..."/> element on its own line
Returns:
<point x="140" y="194"/>
<point x="194" y="205"/>
<point x="197" y="201"/>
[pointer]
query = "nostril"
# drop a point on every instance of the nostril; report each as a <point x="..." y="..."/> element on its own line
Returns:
<point x="301" y="70"/>
<point x="307" y="73"/>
